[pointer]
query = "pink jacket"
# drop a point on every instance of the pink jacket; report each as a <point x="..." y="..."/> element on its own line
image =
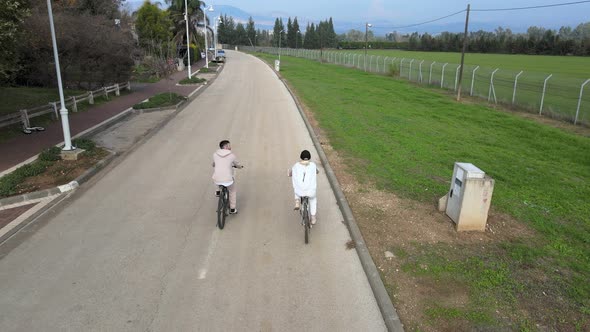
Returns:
<point x="223" y="161"/>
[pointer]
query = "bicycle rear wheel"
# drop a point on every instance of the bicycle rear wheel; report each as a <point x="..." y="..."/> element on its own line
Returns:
<point x="306" y="221"/>
<point x="222" y="208"/>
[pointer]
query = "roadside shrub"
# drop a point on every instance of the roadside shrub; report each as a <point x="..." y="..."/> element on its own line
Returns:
<point x="9" y="183"/>
<point x="393" y="70"/>
<point x="84" y="143"/>
<point x="50" y="154"/>
<point x="192" y="80"/>
<point x="160" y="100"/>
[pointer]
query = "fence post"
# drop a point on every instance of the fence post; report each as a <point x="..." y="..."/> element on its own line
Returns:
<point x="55" y="110"/>
<point x="580" y="100"/>
<point x="430" y="76"/>
<point x="457" y="76"/>
<point x="400" y="66"/>
<point x="91" y="98"/>
<point x="473" y="80"/>
<point x="384" y="61"/>
<point x="410" y="74"/>
<point x="370" y="62"/>
<point x="75" y="104"/>
<point x="117" y="93"/>
<point x="25" y="119"/>
<point x="442" y="78"/>
<point x="106" y="92"/>
<point x="543" y="96"/>
<point x="492" y="87"/>
<point x="515" y="82"/>
<point x="420" y="68"/>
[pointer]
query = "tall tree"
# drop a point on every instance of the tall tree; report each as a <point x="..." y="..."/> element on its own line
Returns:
<point x="278" y="33"/>
<point x="251" y="32"/>
<point x="298" y="39"/>
<point x="12" y="15"/>
<point x="241" y="37"/>
<point x="152" y="25"/>
<point x="195" y="14"/>
<point x="291" y="34"/>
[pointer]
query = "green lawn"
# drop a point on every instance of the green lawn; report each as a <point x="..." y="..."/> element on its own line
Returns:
<point x="561" y="95"/>
<point x="17" y="98"/>
<point x="570" y="66"/>
<point x="406" y="140"/>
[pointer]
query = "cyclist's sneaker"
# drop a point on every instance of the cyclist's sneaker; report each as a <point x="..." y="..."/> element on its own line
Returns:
<point x="297" y="205"/>
<point x="313" y="220"/>
<point x="217" y="193"/>
<point x="233" y="211"/>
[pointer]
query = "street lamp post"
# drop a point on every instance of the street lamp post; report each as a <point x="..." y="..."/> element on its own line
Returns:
<point x="206" y="33"/>
<point x="280" y="35"/>
<point x="367" y="25"/>
<point x="188" y="43"/>
<point x="296" y="42"/>
<point x="63" y="110"/>
<point x="217" y="21"/>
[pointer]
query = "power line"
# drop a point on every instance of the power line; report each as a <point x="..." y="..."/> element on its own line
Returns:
<point x="531" y="7"/>
<point x="437" y="19"/>
<point x="487" y="10"/>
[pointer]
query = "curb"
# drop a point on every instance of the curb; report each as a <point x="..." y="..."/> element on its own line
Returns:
<point x="390" y="317"/>
<point x="59" y="189"/>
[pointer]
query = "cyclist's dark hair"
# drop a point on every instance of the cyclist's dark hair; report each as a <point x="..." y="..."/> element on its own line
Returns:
<point x="223" y="143"/>
<point x="305" y="155"/>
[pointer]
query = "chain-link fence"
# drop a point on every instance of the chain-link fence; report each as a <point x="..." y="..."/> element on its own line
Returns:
<point x="557" y="96"/>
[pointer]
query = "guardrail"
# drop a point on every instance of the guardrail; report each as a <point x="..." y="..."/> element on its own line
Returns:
<point x="25" y="115"/>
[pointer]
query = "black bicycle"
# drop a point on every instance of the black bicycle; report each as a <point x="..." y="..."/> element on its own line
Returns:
<point x="222" y="206"/>
<point x="305" y="218"/>
<point x="223" y="203"/>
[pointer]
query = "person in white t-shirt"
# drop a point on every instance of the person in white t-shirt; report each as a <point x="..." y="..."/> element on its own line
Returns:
<point x="304" y="177"/>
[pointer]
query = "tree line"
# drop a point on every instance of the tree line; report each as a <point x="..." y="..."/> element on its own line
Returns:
<point x="536" y="41"/>
<point x="315" y="36"/>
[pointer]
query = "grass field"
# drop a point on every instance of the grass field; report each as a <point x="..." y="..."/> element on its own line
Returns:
<point x="562" y="92"/>
<point x="17" y="98"/>
<point x="567" y="66"/>
<point x="405" y="140"/>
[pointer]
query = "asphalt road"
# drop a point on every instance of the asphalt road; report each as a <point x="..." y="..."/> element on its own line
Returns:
<point x="138" y="249"/>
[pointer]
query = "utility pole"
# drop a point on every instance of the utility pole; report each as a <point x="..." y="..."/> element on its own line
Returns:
<point x="188" y="42"/>
<point x="465" y="38"/>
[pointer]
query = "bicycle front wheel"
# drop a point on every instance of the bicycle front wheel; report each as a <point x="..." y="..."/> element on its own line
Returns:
<point x="306" y="225"/>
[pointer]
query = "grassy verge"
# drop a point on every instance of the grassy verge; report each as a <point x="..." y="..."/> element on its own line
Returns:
<point x="405" y="140"/>
<point x="160" y="100"/>
<point x="49" y="170"/>
<point x="193" y="80"/>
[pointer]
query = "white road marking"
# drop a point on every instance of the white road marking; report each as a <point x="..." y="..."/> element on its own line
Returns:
<point x="212" y="244"/>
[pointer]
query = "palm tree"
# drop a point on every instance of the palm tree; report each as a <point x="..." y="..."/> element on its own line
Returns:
<point x="195" y="12"/>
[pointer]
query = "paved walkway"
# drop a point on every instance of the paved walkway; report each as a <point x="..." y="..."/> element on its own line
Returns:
<point x="22" y="147"/>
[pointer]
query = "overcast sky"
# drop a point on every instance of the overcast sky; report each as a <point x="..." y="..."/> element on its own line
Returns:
<point x="388" y="14"/>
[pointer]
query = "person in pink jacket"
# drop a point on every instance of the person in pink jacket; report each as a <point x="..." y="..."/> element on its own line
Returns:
<point x="224" y="162"/>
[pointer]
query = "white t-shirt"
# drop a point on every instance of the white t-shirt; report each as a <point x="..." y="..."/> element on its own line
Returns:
<point x="304" y="177"/>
